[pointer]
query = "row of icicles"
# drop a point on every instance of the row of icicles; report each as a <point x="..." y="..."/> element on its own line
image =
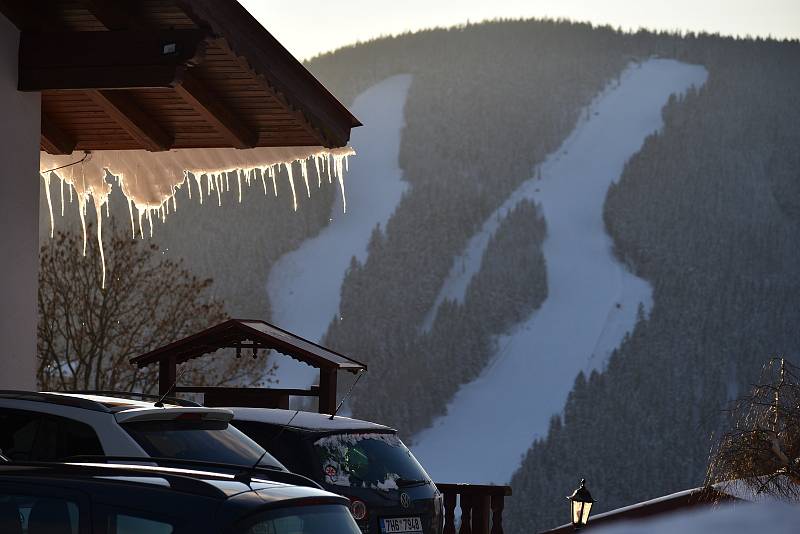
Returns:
<point x="150" y="180"/>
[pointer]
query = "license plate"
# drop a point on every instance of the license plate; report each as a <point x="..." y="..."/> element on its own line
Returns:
<point x="401" y="524"/>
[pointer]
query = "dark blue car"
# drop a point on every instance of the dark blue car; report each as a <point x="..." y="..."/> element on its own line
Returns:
<point x="389" y="491"/>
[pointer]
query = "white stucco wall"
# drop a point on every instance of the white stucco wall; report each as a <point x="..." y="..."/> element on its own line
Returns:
<point x="19" y="219"/>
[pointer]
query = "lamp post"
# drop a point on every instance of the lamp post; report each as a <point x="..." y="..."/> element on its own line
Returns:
<point x="580" y="505"/>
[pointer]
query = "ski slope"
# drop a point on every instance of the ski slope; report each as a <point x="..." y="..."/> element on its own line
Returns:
<point x="592" y="301"/>
<point x="304" y="285"/>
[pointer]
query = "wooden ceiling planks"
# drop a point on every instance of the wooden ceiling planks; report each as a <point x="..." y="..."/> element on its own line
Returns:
<point x="219" y="98"/>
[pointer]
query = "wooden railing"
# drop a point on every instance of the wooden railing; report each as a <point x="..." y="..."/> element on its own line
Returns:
<point x="481" y="508"/>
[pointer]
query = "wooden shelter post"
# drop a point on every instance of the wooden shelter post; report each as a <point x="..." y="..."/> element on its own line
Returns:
<point x="327" y="390"/>
<point x="167" y="373"/>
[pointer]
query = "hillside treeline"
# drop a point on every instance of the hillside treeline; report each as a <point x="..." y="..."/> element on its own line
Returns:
<point x="707" y="212"/>
<point x="487" y="103"/>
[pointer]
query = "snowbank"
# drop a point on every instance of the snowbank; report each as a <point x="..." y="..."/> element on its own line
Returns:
<point x="739" y="518"/>
<point x="304" y="285"/>
<point x="592" y="301"/>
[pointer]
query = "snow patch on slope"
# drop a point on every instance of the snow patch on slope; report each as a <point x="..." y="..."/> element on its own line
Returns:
<point x="592" y="299"/>
<point x="304" y="285"/>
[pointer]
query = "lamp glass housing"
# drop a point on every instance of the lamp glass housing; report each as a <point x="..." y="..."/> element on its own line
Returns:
<point x="581" y="505"/>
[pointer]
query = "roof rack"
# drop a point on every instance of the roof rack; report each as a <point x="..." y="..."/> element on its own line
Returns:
<point x="271" y="474"/>
<point x="134" y="395"/>
<point x="54" y="398"/>
<point x="177" y="481"/>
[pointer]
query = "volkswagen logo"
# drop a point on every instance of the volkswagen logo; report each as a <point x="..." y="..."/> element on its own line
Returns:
<point x="405" y="500"/>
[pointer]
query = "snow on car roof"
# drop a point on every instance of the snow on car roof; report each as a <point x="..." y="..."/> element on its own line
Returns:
<point x="113" y="403"/>
<point x="305" y="420"/>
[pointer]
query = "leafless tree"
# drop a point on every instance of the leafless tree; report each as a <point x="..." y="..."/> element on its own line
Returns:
<point x="762" y="450"/>
<point x="87" y="333"/>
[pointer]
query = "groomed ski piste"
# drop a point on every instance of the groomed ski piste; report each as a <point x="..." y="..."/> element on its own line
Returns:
<point x="304" y="285"/>
<point x="592" y="299"/>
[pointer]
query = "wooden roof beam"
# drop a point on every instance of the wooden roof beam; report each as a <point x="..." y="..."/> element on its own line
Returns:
<point x="124" y="111"/>
<point x="227" y="123"/>
<point x="54" y="140"/>
<point x="114" y="15"/>
<point x="107" y="60"/>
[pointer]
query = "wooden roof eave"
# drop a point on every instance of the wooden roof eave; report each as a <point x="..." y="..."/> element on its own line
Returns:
<point x="299" y="90"/>
<point x="92" y="103"/>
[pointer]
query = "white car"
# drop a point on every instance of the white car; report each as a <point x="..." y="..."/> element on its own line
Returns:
<point x="67" y="426"/>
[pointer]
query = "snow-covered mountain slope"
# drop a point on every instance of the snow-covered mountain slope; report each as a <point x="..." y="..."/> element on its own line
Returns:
<point x="592" y="299"/>
<point x="304" y="285"/>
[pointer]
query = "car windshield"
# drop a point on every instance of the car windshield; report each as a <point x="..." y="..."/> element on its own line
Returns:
<point x="378" y="461"/>
<point x="208" y="441"/>
<point x="317" y="519"/>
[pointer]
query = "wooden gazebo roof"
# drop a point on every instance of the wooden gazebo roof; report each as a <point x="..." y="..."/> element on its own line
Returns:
<point x="162" y="74"/>
<point x="244" y="336"/>
<point x="250" y="335"/>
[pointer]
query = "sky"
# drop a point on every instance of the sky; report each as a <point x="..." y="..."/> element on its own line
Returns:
<point x="311" y="27"/>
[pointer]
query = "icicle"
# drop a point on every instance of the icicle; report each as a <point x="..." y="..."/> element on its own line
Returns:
<point x="150" y="220"/>
<point x="46" y="177"/>
<point x="149" y="180"/>
<point x="264" y="180"/>
<point x="98" y="210"/>
<point x="319" y="176"/>
<point x="199" y="187"/>
<point x="340" y="175"/>
<point x="272" y="174"/>
<point x="291" y="182"/>
<point x="81" y="210"/>
<point x="304" y="172"/>
<point x="61" y="187"/>
<point x="133" y="225"/>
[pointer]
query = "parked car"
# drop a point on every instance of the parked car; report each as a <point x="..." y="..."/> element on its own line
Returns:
<point x="52" y="498"/>
<point x="58" y="426"/>
<point x="366" y="462"/>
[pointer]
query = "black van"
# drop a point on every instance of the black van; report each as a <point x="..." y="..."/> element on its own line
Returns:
<point x="389" y="491"/>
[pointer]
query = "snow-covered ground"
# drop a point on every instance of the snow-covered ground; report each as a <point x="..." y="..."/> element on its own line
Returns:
<point x="592" y="301"/>
<point x="739" y="518"/>
<point x="304" y="285"/>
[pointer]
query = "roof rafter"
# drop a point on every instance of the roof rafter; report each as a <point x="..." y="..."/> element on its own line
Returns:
<point x="107" y="60"/>
<point x="54" y="140"/>
<point x="124" y="111"/>
<point x="228" y="124"/>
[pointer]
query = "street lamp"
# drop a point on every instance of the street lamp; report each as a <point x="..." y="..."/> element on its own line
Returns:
<point x="581" y="503"/>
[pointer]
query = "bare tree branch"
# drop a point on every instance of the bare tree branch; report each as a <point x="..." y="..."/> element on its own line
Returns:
<point x="87" y="334"/>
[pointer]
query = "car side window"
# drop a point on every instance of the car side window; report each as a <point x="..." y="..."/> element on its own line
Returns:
<point x="34" y="436"/>
<point x="124" y="522"/>
<point x="285" y="445"/>
<point x="27" y="513"/>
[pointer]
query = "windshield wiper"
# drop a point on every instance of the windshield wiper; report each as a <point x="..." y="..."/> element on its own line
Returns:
<point x="407" y="482"/>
